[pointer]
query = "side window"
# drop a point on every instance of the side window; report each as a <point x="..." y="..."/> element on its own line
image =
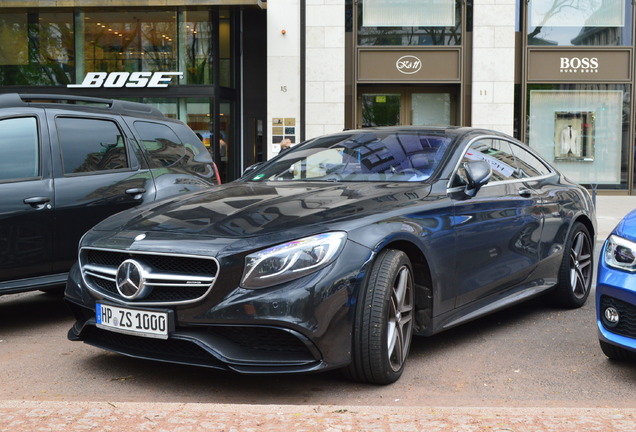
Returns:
<point x="19" y="149"/>
<point x="91" y="145"/>
<point x="163" y="145"/>
<point x="498" y="155"/>
<point x="527" y="164"/>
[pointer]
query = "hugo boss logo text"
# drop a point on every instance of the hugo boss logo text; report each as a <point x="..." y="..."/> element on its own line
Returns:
<point x="126" y="79"/>
<point x="579" y="65"/>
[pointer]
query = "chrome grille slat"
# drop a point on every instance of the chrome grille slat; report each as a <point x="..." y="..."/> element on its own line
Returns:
<point x="101" y="276"/>
<point x="164" y="284"/>
<point x="174" y="279"/>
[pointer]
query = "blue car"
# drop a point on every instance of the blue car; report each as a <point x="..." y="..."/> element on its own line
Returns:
<point x="616" y="292"/>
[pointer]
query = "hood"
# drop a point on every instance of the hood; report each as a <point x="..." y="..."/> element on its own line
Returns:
<point x="243" y="209"/>
<point x="626" y="228"/>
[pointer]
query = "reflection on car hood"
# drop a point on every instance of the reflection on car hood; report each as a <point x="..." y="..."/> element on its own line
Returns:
<point x="245" y="209"/>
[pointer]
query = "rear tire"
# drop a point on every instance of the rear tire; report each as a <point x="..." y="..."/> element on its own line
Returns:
<point x="617" y="353"/>
<point x="577" y="269"/>
<point x="383" y="324"/>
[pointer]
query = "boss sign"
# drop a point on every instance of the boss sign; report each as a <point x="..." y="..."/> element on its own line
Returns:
<point x="126" y="79"/>
<point x="579" y="63"/>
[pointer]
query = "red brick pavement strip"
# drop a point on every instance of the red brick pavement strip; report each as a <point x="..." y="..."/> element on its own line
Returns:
<point x="33" y="416"/>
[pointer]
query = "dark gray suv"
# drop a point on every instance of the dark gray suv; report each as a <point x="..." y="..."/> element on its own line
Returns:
<point x="67" y="162"/>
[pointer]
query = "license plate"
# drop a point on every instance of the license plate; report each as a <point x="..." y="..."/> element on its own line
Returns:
<point x="136" y="322"/>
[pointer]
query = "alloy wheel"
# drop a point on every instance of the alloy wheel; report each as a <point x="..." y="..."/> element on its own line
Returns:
<point x="400" y="322"/>
<point x="580" y="265"/>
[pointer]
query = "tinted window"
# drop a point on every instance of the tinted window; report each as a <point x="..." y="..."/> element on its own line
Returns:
<point x="90" y="145"/>
<point x="371" y="156"/>
<point x="507" y="160"/>
<point x="163" y="145"/>
<point x="19" y="148"/>
<point x="497" y="153"/>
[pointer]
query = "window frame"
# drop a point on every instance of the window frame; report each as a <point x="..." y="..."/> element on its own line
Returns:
<point x="454" y="184"/>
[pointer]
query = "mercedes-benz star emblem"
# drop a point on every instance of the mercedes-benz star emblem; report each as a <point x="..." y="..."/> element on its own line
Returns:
<point x="130" y="280"/>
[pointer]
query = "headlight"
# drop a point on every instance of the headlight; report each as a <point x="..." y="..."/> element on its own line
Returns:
<point x="292" y="260"/>
<point x="620" y="253"/>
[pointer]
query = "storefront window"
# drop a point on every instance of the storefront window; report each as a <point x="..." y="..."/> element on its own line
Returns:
<point x="138" y="40"/>
<point x="409" y="22"/>
<point x="198" y="47"/>
<point x="580" y="22"/>
<point x="36" y="48"/>
<point x="582" y="131"/>
<point x="199" y="118"/>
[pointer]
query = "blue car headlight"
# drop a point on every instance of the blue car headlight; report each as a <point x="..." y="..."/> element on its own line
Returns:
<point x="620" y="253"/>
<point x="289" y="261"/>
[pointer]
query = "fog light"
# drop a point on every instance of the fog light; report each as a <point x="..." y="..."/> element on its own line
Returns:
<point x="611" y="316"/>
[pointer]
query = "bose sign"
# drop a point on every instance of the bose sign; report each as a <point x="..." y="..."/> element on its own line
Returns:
<point x="126" y="79"/>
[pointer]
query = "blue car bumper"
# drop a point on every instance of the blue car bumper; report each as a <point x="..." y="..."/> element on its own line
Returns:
<point x="616" y="289"/>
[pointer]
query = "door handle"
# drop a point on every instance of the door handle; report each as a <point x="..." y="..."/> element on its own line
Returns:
<point x="526" y="193"/>
<point x="136" y="192"/>
<point x="38" y="202"/>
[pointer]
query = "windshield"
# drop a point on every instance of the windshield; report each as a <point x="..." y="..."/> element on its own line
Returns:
<point x="372" y="156"/>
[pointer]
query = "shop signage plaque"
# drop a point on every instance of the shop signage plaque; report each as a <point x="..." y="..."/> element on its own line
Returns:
<point x="127" y="79"/>
<point x="425" y="65"/>
<point x="551" y="65"/>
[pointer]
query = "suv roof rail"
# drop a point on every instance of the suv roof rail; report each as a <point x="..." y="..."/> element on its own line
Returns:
<point x="118" y="106"/>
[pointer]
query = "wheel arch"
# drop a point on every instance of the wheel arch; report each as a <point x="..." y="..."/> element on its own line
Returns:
<point x="587" y="222"/>
<point x="423" y="280"/>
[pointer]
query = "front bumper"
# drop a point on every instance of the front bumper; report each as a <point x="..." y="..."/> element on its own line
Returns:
<point x="617" y="289"/>
<point x="302" y="326"/>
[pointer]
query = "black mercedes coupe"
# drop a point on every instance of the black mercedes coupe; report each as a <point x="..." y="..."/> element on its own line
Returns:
<point x="334" y="253"/>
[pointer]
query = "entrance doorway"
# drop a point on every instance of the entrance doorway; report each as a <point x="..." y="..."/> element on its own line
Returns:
<point x="402" y="106"/>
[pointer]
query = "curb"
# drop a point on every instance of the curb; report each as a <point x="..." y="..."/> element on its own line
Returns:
<point x="19" y="416"/>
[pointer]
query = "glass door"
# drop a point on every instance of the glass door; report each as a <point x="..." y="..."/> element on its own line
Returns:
<point x="381" y="109"/>
<point x="431" y="109"/>
<point x="418" y="106"/>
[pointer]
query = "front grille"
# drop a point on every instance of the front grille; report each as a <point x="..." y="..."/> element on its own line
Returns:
<point x="627" y="312"/>
<point x="172" y="279"/>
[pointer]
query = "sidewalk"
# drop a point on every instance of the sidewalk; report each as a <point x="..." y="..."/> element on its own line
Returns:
<point x="28" y="416"/>
<point x="610" y="210"/>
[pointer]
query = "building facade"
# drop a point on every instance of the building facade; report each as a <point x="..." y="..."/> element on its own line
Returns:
<point x="247" y="74"/>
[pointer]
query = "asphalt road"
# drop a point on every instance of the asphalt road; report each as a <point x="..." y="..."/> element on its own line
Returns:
<point x="532" y="355"/>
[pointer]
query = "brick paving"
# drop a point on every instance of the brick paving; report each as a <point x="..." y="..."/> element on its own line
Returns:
<point x="44" y="416"/>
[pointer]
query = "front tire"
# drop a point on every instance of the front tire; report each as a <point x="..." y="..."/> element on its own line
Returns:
<point x="384" y="321"/>
<point x="577" y="269"/>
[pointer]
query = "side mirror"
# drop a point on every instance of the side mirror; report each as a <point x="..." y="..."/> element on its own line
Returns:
<point x="478" y="173"/>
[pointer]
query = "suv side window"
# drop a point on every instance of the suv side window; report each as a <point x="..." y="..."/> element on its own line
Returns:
<point x="163" y="145"/>
<point x="91" y="145"/>
<point x="19" y="149"/>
